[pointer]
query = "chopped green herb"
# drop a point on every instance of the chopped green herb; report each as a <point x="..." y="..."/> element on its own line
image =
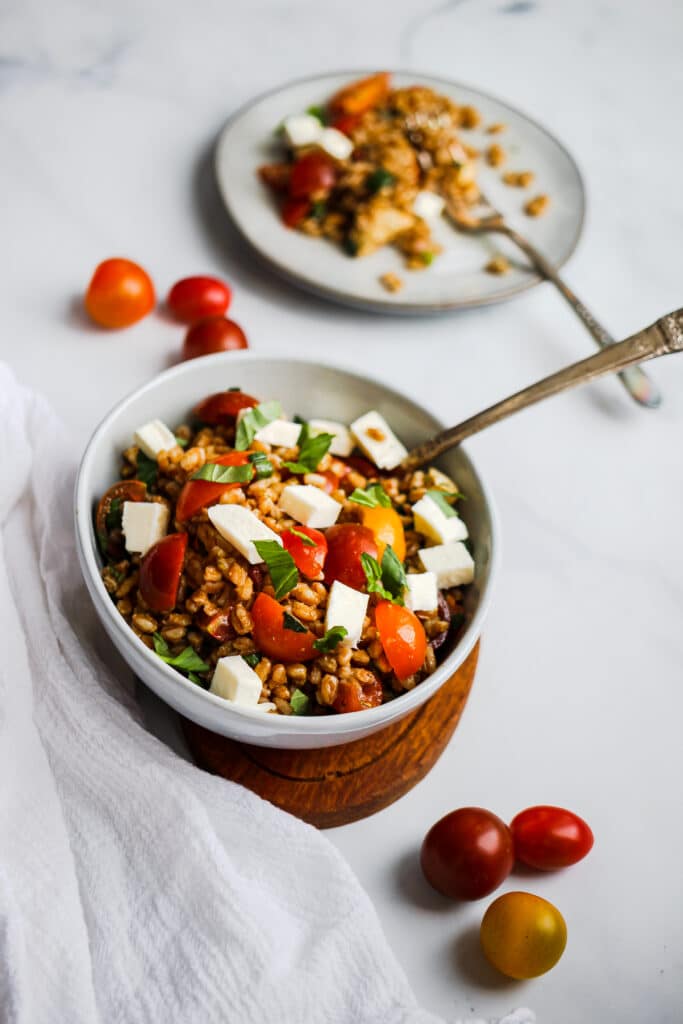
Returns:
<point x="387" y="580"/>
<point x="194" y="678"/>
<point x="427" y="258"/>
<point x="261" y="464"/>
<point x="299" y="702"/>
<point x="235" y="388"/>
<point x="281" y="566"/>
<point x="252" y="659"/>
<point x="147" y="469"/>
<point x="333" y="637"/>
<point x="350" y="246"/>
<point x="224" y="474"/>
<point x="318" y="210"/>
<point x="379" y="179"/>
<point x="182" y="442"/>
<point x="292" y="623"/>
<point x="304" y="538"/>
<point x="113" y="518"/>
<point x="252" y="421"/>
<point x="441" y="499"/>
<point x="372" y="497"/>
<point x="187" y="661"/>
<point x="318" y="112"/>
<point x="311" y="451"/>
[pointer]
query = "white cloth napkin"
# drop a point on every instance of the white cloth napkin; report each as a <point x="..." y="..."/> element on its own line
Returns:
<point x="133" y="886"/>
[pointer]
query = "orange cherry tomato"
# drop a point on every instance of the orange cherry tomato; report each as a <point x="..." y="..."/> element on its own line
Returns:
<point x="346" y="542"/>
<point x="308" y="558"/>
<point x="271" y="637"/>
<point x="387" y="528"/>
<point x="195" y="298"/>
<point x="351" y="696"/>
<point x="312" y="173"/>
<point x="362" y="95"/>
<point x="197" y="494"/>
<point x="119" y="294"/>
<point x="523" y="935"/>
<point x="160" y="571"/>
<point x="222" y="408"/>
<point x="402" y="637"/>
<point x="215" y="334"/>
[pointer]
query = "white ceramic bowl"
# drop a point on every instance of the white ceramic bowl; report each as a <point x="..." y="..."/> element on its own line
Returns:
<point x="310" y="390"/>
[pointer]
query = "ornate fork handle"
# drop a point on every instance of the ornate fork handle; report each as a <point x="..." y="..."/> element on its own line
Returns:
<point x="663" y="337"/>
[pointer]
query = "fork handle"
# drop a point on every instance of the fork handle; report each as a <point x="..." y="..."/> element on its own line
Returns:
<point x="639" y="385"/>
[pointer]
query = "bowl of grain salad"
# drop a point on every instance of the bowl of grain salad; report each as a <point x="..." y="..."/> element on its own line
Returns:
<point x="259" y="557"/>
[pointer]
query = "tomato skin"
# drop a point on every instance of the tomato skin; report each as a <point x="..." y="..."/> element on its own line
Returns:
<point x="197" y="494"/>
<point x="387" y="528"/>
<point x="346" y="123"/>
<point x="523" y="935"/>
<point x="222" y="408"/>
<point x="119" y="294"/>
<point x="312" y="173"/>
<point x="362" y="95"/>
<point x="271" y="637"/>
<point x="346" y="542"/>
<point x="294" y="211"/>
<point x="124" y="490"/>
<point x="308" y="559"/>
<point x="276" y="176"/>
<point x="362" y="466"/>
<point x="351" y="696"/>
<point x="550" y="837"/>
<point x="215" y="334"/>
<point x="467" y="854"/>
<point x="160" y="570"/>
<point x="403" y="638"/>
<point x="195" y="298"/>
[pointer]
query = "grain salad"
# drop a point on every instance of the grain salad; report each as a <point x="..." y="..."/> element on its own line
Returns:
<point x="289" y="567"/>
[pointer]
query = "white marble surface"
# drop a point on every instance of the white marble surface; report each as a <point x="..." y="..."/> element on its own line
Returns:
<point x="107" y="113"/>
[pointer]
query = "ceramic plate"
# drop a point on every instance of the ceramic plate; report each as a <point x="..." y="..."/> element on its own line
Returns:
<point x="457" y="278"/>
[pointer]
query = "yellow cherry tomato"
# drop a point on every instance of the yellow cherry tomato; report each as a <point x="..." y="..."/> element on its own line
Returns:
<point x="523" y="935"/>
<point x="387" y="527"/>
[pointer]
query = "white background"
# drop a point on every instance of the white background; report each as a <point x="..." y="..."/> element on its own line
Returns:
<point x="107" y="116"/>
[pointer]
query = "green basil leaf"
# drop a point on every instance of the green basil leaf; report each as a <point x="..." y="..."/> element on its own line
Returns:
<point x="299" y="702"/>
<point x="114" y="516"/>
<point x="252" y="421"/>
<point x="393" y="574"/>
<point x="440" y="498"/>
<point x="187" y="661"/>
<point x="308" y="541"/>
<point x="261" y="464"/>
<point x="372" y="497"/>
<point x="194" y="678"/>
<point x="252" y="659"/>
<point x="291" y="623"/>
<point x="147" y="469"/>
<point x="333" y="637"/>
<point x="373" y="576"/>
<point x="318" y="112"/>
<point x="311" y="451"/>
<point x="281" y="566"/>
<point x="379" y="179"/>
<point x="224" y="474"/>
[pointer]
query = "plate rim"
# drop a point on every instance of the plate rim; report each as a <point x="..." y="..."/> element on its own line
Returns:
<point x="383" y="306"/>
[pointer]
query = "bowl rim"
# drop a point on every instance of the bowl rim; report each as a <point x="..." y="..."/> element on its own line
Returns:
<point x="291" y="724"/>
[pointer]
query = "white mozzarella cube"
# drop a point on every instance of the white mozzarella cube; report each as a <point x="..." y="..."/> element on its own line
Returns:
<point x="279" y="434"/>
<point x="422" y="593"/>
<point x="346" y="607"/>
<point x="432" y="522"/>
<point x="309" y="505"/>
<point x="376" y="439"/>
<point x="342" y="443"/>
<point x="144" y="523"/>
<point x="154" y="437"/>
<point x="241" y="527"/>
<point x="428" y="205"/>
<point x="302" y="130"/>
<point x="335" y="143"/>
<point x="234" y="680"/>
<point x="452" y="563"/>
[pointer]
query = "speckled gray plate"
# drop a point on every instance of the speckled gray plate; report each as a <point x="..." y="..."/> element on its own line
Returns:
<point x="457" y="278"/>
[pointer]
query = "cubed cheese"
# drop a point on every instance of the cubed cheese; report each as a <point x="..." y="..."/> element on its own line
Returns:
<point x="302" y="130"/>
<point x="346" y="607"/>
<point x="342" y="443"/>
<point x="279" y="434"/>
<point x="154" y="437"/>
<point x="234" y="680"/>
<point x="428" y="205"/>
<point x="452" y="563"/>
<point x="422" y="593"/>
<point x="309" y="505"/>
<point x="432" y="522"/>
<point x="376" y="439"/>
<point x="144" y="523"/>
<point x="335" y="143"/>
<point x="241" y="527"/>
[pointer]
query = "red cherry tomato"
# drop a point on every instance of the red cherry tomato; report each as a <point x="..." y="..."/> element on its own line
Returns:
<point x="312" y="173"/>
<point x="216" y="624"/>
<point x="216" y="334"/>
<point x="197" y="494"/>
<point x="110" y="537"/>
<point x="222" y="408"/>
<point x="195" y="298"/>
<point x="271" y="637"/>
<point x="550" y="837"/>
<point x="402" y="637"/>
<point x="347" y="123"/>
<point x="332" y="481"/>
<point x="294" y="211"/>
<point x="345" y="544"/>
<point x="160" y="571"/>
<point x="467" y="854"/>
<point x="309" y="558"/>
<point x="351" y="696"/>
<point x="119" y="294"/>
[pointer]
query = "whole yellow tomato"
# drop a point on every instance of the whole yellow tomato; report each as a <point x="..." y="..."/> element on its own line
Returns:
<point x="523" y="935"/>
<point x="387" y="527"/>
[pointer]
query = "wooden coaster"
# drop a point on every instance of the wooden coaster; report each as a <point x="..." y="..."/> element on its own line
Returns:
<point x="335" y="785"/>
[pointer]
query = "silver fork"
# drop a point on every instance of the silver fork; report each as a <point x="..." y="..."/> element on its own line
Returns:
<point x="639" y="385"/>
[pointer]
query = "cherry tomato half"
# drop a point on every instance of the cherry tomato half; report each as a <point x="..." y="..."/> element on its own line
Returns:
<point x="347" y="123"/>
<point x="352" y="696"/>
<point x="550" y="837"/>
<point x="523" y="935"/>
<point x="402" y="636"/>
<point x="109" y="536"/>
<point x="294" y="211"/>
<point x="119" y="294"/>
<point x="387" y="528"/>
<point x="308" y="558"/>
<point x="312" y="173"/>
<point x="195" y="298"/>
<point x="271" y="637"/>
<point x="215" y="334"/>
<point x="160" y="571"/>
<point x="362" y="95"/>
<point x="345" y="544"/>
<point x="223" y="407"/>
<point x="467" y="854"/>
<point x="197" y="494"/>
<point x="276" y="176"/>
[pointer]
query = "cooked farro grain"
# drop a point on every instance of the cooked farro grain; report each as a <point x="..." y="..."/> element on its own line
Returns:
<point x="537" y="207"/>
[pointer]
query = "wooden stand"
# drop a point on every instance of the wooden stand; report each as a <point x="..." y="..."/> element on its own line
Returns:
<point x="335" y="785"/>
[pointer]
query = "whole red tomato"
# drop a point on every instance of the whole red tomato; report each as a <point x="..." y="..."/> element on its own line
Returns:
<point x="550" y="837"/>
<point x="195" y="298"/>
<point x="160" y="571"/>
<point x="309" y="555"/>
<point x="467" y="854"/>
<point x="346" y="542"/>
<point x="119" y="294"/>
<point x="215" y="334"/>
